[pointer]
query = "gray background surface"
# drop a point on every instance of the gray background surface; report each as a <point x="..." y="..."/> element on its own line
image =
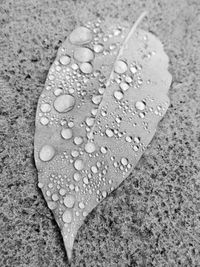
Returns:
<point x="153" y="218"/>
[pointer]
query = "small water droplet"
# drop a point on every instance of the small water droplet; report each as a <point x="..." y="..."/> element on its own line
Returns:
<point x="98" y="48"/>
<point x="77" y="176"/>
<point x="65" y="60"/>
<point x="118" y="95"/>
<point x="103" y="150"/>
<point x="120" y="67"/>
<point x="45" y="107"/>
<point x="124" y="161"/>
<point x="109" y="132"/>
<point x="90" y="121"/>
<point x="66" y="133"/>
<point x="44" y="120"/>
<point x="55" y="197"/>
<point x="96" y="99"/>
<point x="81" y="205"/>
<point x="124" y="86"/>
<point x="69" y="201"/>
<point x="78" y="140"/>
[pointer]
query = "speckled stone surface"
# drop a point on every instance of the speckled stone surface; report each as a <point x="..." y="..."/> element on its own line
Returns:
<point x="153" y="218"/>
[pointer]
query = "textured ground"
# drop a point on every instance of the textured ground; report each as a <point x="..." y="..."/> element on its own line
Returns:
<point x="153" y="219"/>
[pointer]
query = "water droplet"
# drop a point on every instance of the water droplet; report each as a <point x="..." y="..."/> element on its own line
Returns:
<point x="109" y="132"/>
<point x="77" y="176"/>
<point x="44" y="120"/>
<point x="124" y="86"/>
<point x="140" y="105"/>
<point x="124" y="161"/>
<point x="133" y="69"/>
<point x="98" y="48"/>
<point x="78" y="165"/>
<point x="80" y="35"/>
<point x="69" y="201"/>
<point x="118" y="95"/>
<point x="65" y="60"/>
<point x="75" y="153"/>
<point x="66" y="133"/>
<point x="90" y="147"/>
<point x="45" y="107"/>
<point x="86" y="68"/>
<point x="46" y="153"/>
<point x="85" y="180"/>
<point x="128" y="139"/>
<point x="90" y="121"/>
<point x="52" y="205"/>
<point x="58" y="92"/>
<point x="55" y="197"/>
<point x="62" y="191"/>
<point x="96" y="99"/>
<point x="104" y="194"/>
<point x="137" y="140"/>
<point x="64" y="103"/>
<point x="81" y="205"/>
<point x="67" y="216"/>
<point x="94" y="169"/>
<point x="40" y="185"/>
<point x="128" y="79"/>
<point x="94" y="111"/>
<point x="83" y="54"/>
<point x="117" y="32"/>
<point x="78" y="140"/>
<point x="103" y="150"/>
<point x="120" y="67"/>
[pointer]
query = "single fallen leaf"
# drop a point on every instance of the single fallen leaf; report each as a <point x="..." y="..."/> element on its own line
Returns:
<point x="104" y="96"/>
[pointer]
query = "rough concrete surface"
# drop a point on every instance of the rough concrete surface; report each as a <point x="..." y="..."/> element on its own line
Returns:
<point x="153" y="218"/>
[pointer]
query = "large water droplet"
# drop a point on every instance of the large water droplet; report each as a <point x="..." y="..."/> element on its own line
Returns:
<point x="81" y="35"/>
<point x="64" y="103"/>
<point x="83" y="54"/>
<point x="46" y="153"/>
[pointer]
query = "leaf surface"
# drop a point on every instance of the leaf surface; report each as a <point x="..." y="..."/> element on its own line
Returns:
<point x="103" y="98"/>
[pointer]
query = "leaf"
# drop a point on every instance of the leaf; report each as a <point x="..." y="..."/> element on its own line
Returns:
<point x="103" y="98"/>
